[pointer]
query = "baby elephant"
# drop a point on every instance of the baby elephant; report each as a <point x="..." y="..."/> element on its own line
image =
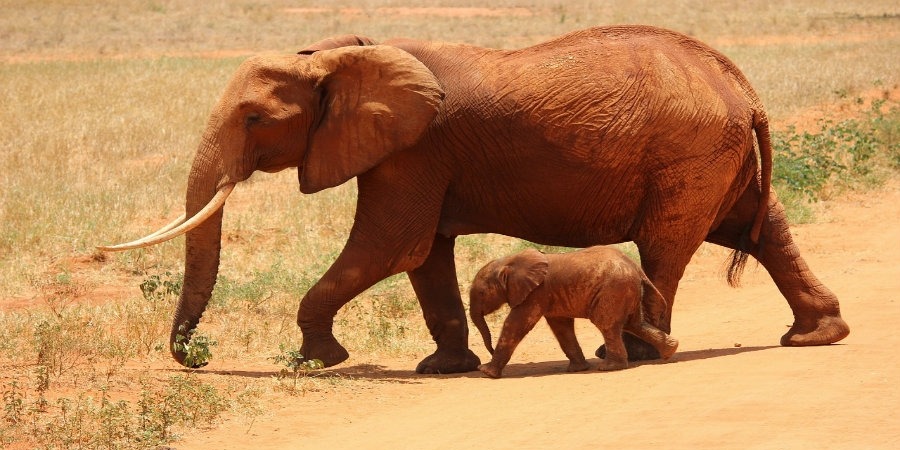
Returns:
<point x="597" y="283"/>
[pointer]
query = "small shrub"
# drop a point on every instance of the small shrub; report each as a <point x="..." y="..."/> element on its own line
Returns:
<point x="294" y="368"/>
<point x="294" y="362"/>
<point x="195" y="346"/>
<point x="157" y="288"/>
<point x="184" y="401"/>
<point x="13" y="404"/>
<point x="840" y="155"/>
<point x="64" y="342"/>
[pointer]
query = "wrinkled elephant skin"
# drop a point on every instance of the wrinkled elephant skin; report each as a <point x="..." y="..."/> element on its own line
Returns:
<point x="597" y="283"/>
<point x="600" y="136"/>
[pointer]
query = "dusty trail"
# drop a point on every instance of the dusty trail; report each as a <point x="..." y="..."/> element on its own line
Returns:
<point x="713" y="394"/>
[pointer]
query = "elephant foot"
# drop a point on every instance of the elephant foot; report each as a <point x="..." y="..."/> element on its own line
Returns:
<point x="822" y="331"/>
<point x="327" y="350"/>
<point x="637" y="349"/>
<point x="490" y="370"/>
<point x="446" y="361"/>
<point x="668" y="348"/>
<point x="608" y="365"/>
<point x="578" y="366"/>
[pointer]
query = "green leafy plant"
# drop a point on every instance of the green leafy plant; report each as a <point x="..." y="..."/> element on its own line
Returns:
<point x="294" y="362"/>
<point x="296" y="369"/>
<point x="160" y="287"/>
<point x="847" y="154"/>
<point x="184" y="401"/>
<point x="804" y="162"/>
<point x="13" y="404"/>
<point x="195" y="346"/>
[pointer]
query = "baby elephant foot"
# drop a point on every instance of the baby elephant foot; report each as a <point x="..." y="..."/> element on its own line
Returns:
<point x="608" y="365"/>
<point x="578" y="366"/>
<point x="490" y="370"/>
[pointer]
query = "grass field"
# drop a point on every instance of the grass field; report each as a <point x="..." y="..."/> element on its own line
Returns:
<point x="102" y="107"/>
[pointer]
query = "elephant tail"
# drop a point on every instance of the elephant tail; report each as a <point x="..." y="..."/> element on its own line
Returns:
<point x="761" y="127"/>
<point x="740" y="255"/>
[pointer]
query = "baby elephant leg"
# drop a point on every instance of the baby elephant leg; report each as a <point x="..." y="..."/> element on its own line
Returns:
<point x="518" y="323"/>
<point x="616" y="355"/>
<point x="662" y="342"/>
<point x="564" y="330"/>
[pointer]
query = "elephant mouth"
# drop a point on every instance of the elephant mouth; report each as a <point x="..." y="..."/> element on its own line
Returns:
<point x="177" y="227"/>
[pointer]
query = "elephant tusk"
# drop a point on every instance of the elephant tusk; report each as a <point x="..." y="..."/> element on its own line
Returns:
<point x="170" y="225"/>
<point x="174" y="229"/>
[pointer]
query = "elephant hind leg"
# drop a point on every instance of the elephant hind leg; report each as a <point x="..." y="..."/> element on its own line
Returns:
<point x="817" y="315"/>
<point x="437" y="289"/>
<point x="564" y="330"/>
<point x="665" y="251"/>
<point x="616" y="356"/>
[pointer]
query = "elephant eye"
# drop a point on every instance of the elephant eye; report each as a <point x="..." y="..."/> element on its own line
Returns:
<point x="252" y="119"/>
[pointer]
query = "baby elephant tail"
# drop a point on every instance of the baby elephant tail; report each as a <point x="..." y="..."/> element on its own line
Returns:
<point x="652" y="302"/>
<point x="653" y="306"/>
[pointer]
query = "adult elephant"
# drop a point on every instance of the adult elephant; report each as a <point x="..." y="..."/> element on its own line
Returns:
<point x="611" y="134"/>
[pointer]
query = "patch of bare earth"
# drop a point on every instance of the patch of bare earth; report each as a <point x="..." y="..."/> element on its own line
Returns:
<point x="730" y="385"/>
<point x="461" y="12"/>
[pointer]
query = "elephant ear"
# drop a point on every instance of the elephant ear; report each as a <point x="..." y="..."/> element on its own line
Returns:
<point x="522" y="274"/>
<point x="346" y="40"/>
<point x="376" y="100"/>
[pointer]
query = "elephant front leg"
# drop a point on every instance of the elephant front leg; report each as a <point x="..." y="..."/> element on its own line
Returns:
<point x="353" y="272"/>
<point x="437" y="289"/>
<point x="518" y="323"/>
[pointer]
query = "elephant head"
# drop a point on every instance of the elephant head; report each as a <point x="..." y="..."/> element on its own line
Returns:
<point x="506" y="280"/>
<point x="334" y="114"/>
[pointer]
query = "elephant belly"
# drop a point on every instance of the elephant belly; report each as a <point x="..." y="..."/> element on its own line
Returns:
<point x="564" y="213"/>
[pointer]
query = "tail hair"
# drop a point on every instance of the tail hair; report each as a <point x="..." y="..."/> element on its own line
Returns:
<point x="738" y="259"/>
<point x="736" y="268"/>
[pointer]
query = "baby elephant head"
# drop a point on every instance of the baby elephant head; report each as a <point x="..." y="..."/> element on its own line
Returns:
<point x="505" y="280"/>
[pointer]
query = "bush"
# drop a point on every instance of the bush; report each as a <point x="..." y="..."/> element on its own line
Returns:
<point x="848" y="154"/>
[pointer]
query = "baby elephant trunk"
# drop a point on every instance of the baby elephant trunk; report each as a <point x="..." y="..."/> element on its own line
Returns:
<point x="481" y="325"/>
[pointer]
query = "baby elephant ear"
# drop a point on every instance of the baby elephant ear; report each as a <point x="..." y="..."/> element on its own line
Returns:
<point x="523" y="273"/>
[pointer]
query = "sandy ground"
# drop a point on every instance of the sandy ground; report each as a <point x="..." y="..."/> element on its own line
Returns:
<point x="729" y="386"/>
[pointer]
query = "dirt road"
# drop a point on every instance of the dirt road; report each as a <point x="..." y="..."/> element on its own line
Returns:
<point x="729" y="386"/>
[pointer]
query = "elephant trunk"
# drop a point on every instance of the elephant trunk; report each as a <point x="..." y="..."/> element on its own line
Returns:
<point x="477" y="313"/>
<point x="202" y="246"/>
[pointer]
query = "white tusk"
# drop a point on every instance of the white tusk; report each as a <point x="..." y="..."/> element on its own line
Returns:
<point x="164" y="235"/>
<point x="170" y="225"/>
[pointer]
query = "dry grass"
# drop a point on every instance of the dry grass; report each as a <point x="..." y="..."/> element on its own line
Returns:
<point x="103" y="104"/>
